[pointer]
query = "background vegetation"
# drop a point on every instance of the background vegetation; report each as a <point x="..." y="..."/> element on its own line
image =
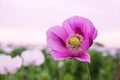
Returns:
<point x="101" y="68"/>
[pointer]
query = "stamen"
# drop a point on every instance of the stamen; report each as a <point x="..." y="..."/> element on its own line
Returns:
<point x="74" y="41"/>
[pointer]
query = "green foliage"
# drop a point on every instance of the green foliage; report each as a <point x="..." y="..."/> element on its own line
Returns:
<point x="96" y="63"/>
<point x="101" y="68"/>
<point x="107" y="72"/>
<point x="17" y="51"/>
<point x="1" y="51"/>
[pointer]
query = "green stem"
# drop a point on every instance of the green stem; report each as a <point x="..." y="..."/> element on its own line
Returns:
<point x="60" y="74"/>
<point x="31" y="70"/>
<point x="88" y="70"/>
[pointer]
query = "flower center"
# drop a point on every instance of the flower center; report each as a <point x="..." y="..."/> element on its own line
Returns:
<point x="74" y="41"/>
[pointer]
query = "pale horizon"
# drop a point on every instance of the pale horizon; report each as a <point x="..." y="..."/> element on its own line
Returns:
<point x="26" y="21"/>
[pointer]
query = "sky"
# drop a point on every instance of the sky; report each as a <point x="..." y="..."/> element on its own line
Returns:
<point x="26" y="21"/>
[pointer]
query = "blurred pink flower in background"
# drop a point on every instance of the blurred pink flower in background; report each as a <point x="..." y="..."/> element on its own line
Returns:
<point x="7" y="48"/>
<point x="9" y="64"/>
<point x="72" y="40"/>
<point x="32" y="57"/>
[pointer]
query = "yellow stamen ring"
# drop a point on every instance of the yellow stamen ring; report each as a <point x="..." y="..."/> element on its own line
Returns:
<point x="74" y="41"/>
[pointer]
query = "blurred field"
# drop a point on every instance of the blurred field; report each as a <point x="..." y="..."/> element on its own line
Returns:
<point x="101" y="68"/>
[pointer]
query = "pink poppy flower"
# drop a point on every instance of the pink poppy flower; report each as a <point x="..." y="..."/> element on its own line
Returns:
<point x="32" y="57"/>
<point x="72" y="40"/>
<point x="9" y="64"/>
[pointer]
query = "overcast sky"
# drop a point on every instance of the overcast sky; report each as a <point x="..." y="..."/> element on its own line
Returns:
<point x="26" y="21"/>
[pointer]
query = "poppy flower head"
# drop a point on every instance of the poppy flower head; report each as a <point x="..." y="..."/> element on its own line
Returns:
<point x="72" y="39"/>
